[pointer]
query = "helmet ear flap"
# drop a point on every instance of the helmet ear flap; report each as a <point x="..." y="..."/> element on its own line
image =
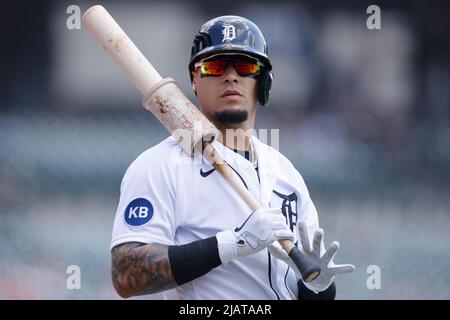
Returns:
<point x="264" y="87"/>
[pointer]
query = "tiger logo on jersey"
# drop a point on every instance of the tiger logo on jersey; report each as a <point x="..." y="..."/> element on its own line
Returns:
<point x="288" y="206"/>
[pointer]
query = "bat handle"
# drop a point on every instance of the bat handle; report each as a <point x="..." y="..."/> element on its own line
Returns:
<point x="308" y="269"/>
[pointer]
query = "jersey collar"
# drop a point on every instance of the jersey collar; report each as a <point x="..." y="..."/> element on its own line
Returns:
<point x="268" y="165"/>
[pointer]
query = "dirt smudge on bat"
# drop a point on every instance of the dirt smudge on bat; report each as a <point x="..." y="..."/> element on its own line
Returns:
<point x="118" y="43"/>
<point x="162" y="103"/>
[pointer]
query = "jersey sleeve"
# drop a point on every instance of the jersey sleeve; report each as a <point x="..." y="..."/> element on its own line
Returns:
<point x="145" y="212"/>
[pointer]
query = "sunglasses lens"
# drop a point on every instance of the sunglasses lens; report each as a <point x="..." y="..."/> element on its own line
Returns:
<point x="246" y="68"/>
<point x="217" y="67"/>
<point x="214" y="67"/>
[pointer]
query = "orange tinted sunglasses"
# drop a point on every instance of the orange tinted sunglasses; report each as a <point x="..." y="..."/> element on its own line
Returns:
<point x="217" y="66"/>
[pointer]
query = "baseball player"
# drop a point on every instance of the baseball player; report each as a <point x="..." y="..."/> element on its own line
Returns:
<point x="179" y="229"/>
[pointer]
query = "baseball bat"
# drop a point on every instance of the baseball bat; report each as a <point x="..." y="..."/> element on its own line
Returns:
<point x="171" y="107"/>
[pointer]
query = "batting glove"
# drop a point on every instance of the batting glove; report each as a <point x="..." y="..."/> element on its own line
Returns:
<point x="261" y="228"/>
<point x="325" y="261"/>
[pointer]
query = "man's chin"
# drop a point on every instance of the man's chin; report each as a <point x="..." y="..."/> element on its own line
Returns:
<point x="231" y="116"/>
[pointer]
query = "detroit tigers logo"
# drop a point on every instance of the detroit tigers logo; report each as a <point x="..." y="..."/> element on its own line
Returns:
<point x="229" y="32"/>
<point x="288" y="208"/>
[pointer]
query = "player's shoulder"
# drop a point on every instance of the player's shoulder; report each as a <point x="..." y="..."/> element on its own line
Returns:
<point x="284" y="166"/>
<point x="274" y="154"/>
<point x="159" y="157"/>
<point x="160" y="150"/>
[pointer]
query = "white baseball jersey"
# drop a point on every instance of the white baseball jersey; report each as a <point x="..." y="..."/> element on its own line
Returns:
<point x="169" y="198"/>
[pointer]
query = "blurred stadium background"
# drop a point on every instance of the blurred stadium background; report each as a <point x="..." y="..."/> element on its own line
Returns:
<point x="363" y="114"/>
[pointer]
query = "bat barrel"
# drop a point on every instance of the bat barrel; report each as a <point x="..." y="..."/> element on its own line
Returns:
<point x="115" y="41"/>
<point x="161" y="96"/>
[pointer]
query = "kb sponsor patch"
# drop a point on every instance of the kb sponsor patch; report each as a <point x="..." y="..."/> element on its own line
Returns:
<point x="138" y="212"/>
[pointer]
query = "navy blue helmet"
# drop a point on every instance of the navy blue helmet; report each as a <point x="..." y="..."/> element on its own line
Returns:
<point x="234" y="34"/>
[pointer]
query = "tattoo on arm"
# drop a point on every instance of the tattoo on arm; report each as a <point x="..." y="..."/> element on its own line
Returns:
<point x="139" y="268"/>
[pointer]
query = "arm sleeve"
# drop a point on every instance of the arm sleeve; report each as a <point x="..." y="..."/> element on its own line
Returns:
<point x="145" y="212"/>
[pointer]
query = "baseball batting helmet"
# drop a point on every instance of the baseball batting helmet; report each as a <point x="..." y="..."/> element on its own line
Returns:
<point x="234" y="34"/>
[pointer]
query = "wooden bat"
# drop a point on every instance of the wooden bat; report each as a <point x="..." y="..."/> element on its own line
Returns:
<point x="166" y="101"/>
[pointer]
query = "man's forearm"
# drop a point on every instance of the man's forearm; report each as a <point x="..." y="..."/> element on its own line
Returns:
<point x="139" y="268"/>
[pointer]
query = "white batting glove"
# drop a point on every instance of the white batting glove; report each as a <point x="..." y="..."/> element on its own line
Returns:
<point x="261" y="228"/>
<point x="325" y="261"/>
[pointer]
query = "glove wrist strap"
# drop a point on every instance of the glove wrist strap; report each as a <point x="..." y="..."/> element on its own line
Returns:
<point x="226" y="246"/>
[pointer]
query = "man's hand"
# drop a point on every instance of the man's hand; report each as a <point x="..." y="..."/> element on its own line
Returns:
<point x="325" y="260"/>
<point x="261" y="228"/>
